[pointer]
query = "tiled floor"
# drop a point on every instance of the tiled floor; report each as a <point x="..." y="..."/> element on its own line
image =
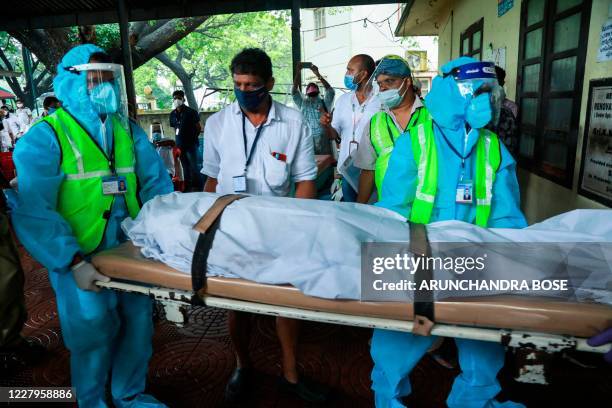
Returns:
<point x="191" y="364"/>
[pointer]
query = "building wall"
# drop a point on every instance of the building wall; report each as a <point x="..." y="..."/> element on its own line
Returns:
<point x="497" y="31"/>
<point x="332" y="52"/>
<point x="541" y="198"/>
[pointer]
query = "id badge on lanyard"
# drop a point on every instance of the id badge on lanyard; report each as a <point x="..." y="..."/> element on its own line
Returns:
<point x="465" y="192"/>
<point x="240" y="182"/>
<point x="112" y="185"/>
<point x="465" y="188"/>
<point x="354" y="144"/>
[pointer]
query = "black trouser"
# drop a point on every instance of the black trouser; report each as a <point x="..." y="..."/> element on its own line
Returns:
<point x="191" y="170"/>
<point x="12" y="301"/>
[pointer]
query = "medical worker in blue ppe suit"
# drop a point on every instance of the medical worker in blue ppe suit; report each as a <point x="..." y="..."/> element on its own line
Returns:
<point x="457" y="116"/>
<point x="108" y="333"/>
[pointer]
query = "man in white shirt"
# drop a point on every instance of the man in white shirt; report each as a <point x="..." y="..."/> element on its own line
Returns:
<point x="6" y="139"/>
<point x="352" y="112"/>
<point x="259" y="146"/>
<point x="24" y="116"/>
<point x="12" y="124"/>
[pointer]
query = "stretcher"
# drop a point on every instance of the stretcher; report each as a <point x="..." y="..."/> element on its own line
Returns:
<point x="548" y="324"/>
<point x="533" y="323"/>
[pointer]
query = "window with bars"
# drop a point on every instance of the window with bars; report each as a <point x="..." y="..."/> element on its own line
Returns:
<point x="471" y="40"/>
<point x="319" y="23"/>
<point x="552" y="54"/>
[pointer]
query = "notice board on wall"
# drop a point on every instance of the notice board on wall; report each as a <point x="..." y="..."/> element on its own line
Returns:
<point x="503" y="6"/>
<point x="595" y="179"/>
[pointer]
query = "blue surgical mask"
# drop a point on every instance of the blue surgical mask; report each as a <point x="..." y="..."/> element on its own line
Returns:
<point x="104" y="98"/>
<point x="250" y="100"/>
<point x="348" y="82"/>
<point x="391" y="98"/>
<point x="51" y="110"/>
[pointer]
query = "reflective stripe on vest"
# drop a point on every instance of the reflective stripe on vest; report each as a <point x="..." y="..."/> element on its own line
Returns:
<point x="80" y="199"/>
<point x="488" y="159"/>
<point x="487" y="148"/>
<point x="383" y="135"/>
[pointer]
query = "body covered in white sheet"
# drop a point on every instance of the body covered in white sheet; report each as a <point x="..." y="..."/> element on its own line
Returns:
<point x="316" y="245"/>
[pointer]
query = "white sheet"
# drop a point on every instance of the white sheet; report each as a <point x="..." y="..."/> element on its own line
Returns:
<point x="316" y="245"/>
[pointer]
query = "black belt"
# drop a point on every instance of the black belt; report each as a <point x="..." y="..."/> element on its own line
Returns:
<point x="207" y="226"/>
<point x="423" y="302"/>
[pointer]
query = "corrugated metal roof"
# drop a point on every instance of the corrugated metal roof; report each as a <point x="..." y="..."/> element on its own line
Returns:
<point x="19" y="14"/>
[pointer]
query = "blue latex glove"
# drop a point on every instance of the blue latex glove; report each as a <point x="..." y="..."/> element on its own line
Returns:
<point x="479" y="113"/>
<point x="602" y="338"/>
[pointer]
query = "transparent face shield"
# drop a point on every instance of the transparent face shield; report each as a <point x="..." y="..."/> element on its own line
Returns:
<point x="106" y="89"/>
<point x="156" y="132"/>
<point x="479" y="78"/>
<point x="390" y="80"/>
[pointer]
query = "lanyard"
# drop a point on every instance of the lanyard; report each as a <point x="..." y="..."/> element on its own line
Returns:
<point x="463" y="158"/>
<point x="244" y="138"/>
<point x="363" y="107"/>
<point x="109" y="150"/>
<point x="413" y="118"/>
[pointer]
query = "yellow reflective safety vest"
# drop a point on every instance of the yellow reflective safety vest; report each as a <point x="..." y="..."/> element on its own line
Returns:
<point x="488" y="159"/>
<point x="383" y="135"/>
<point x="81" y="200"/>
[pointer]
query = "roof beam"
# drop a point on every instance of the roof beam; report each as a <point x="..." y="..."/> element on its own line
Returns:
<point x="68" y="18"/>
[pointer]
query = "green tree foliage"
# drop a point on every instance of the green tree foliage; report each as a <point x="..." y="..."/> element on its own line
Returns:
<point x="202" y="58"/>
<point x="148" y="75"/>
<point x="11" y="59"/>
<point x="48" y="46"/>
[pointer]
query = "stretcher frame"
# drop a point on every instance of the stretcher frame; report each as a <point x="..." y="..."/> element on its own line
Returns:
<point x="535" y="343"/>
<point x="532" y="366"/>
<point x="173" y="299"/>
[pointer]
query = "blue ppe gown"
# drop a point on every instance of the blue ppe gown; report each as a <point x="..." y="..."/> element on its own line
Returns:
<point x="107" y="333"/>
<point x="396" y="353"/>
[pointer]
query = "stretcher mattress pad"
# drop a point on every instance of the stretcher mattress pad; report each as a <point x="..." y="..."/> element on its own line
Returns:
<point x="506" y="312"/>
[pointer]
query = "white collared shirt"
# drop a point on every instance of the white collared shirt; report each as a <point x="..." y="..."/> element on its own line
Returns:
<point x="349" y="119"/>
<point x="283" y="132"/>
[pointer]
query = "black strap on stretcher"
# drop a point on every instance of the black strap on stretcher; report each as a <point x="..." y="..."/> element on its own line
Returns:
<point x="207" y="226"/>
<point x="423" y="299"/>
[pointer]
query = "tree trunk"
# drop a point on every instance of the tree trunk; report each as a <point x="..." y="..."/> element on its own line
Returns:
<point x="183" y="76"/>
<point x="50" y="45"/>
<point x="164" y="37"/>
